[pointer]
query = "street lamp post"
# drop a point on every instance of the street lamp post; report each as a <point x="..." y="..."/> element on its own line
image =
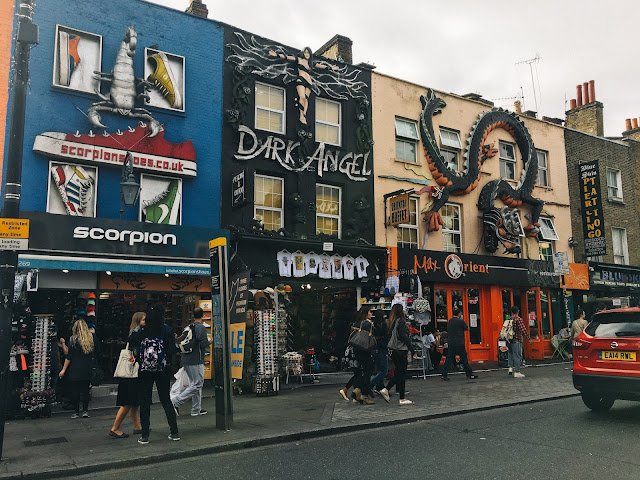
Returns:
<point x="129" y="188"/>
<point x="27" y="35"/>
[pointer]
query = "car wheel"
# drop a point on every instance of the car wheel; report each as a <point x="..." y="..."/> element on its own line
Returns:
<point x="597" y="401"/>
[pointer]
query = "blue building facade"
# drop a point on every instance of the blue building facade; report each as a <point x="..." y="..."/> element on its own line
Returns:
<point x="107" y="79"/>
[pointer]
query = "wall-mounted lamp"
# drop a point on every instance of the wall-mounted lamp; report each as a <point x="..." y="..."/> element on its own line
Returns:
<point x="129" y="188"/>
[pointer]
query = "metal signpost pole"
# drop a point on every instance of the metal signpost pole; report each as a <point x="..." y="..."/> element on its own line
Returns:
<point x="218" y="255"/>
<point x="27" y="35"/>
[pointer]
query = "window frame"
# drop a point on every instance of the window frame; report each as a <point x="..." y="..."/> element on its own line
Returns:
<point x="507" y="160"/>
<point x="542" y="256"/>
<point x="545" y="168"/>
<point x="272" y="209"/>
<point x="325" y="215"/>
<point x="625" y="246"/>
<point x="445" y="143"/>
<point x="551" y="238"/>
<point x="453" y="232"/>
<point x="323" y="122"/>
<point x="454" y="152"/>
<point x="618" y="187"/>
<point x="409" y="226"/>
<point x="269" y="109"/>
<point x="406" y="139"/>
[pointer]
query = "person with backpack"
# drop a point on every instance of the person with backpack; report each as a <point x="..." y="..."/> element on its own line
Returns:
<point x="192" y="343"/>
<point x="516" y="331"/>
<point x="457" y="345"/>
<point x="153" y="347"/>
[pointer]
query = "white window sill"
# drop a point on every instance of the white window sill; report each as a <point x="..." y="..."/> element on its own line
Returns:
<point x="407" y="161"/>
<point x="616" y="200"/>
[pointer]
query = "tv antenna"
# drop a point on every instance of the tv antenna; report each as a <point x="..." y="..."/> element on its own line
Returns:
<point x="520" y="97"/>
<point x="530" y="62"/>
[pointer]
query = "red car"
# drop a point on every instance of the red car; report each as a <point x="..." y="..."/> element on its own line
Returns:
<point x="606" y="359"/>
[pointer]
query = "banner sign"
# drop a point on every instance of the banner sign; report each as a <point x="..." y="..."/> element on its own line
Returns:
<point x="399" y="209"/>
<point x="238" y="296"/>
<point x="561" y="263"/>
<point x="238" y="194"/>
<point x="237" y="348"/>
<point x="445" y="267"/>
<point x="592" y="217"/>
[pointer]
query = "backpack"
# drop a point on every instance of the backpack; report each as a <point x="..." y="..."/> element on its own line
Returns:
<point x="188" y="343"/>
<point x="152" y="355"/>
<point x="507" y="332"/>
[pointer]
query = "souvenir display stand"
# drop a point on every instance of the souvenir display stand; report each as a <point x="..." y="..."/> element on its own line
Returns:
<point x="206" y="306"/>
<point x="266" y="346"/>
<point x="37" y="400"/>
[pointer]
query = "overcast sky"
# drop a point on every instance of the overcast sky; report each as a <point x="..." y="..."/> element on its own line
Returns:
<point x="468" y="46"/>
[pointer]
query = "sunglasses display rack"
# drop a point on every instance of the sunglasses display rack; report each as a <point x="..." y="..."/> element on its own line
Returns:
<point x="266" y="348"/>
<point x="40" y="396"/>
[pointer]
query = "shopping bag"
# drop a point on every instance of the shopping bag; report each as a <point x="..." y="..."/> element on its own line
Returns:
<point x="182" y="382"/>
<point x="125" y="367"/>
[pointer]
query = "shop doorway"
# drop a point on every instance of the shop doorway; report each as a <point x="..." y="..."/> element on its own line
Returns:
<point x="474" y="303"/>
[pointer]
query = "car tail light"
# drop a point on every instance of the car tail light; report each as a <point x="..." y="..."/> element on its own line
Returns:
<point x="581" y="344"/>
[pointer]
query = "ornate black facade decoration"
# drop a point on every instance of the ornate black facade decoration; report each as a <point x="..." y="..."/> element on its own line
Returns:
<point x="240" y="97"/>
<point x="498" y="222"/>
<point x="359" y="223"/>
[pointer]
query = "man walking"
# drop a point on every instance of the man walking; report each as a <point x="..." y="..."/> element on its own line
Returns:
<point x="455" y="337"/>
<point x="515" y="345"/>
<point x="193" y="364"/>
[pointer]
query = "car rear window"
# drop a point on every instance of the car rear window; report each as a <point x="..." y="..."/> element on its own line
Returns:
<point x="615" y="325"/>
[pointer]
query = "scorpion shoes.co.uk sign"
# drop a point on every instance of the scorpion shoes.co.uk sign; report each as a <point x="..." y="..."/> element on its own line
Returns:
<point x="150" y="153"/>
<point x="591" y="201"/>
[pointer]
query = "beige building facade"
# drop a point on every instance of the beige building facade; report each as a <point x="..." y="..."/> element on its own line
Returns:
<point x="447" y="250"/>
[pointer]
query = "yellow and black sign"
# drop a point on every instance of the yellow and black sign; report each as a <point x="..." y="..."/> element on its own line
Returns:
<point x="14" y="228"/>
<point x="399" y="209"/>
<point x="592" y="218"/>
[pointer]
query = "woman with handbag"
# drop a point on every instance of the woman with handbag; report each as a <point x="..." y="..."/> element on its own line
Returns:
<point x="79" y="363"/>
<point x="363" y="361"/>
<point x="129" y="389"/>
<point x="399" y="344"/>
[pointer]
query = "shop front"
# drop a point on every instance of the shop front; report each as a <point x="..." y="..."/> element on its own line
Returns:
<point x="613" y="285"/>
<point x="306" y="293"/>
<point x="105" y="270"/>
<point x="485" y="288"/>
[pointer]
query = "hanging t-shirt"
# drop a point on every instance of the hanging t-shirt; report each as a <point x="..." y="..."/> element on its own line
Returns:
<point x="336" y="267"/>
<point x="361" y="266"/>
<point x="285" y="263"/>
<point x="324" y="267"/>
<point x="312" y="262"/>
<point x="348" y="267"/>
<point x="298" y="264"/>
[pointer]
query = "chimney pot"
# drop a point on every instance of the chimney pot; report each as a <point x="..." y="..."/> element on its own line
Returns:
<point x="634" y="123"/>
<point x="572" y="104"/>
<point x="627" y="124"/>
<point x="585" y="93"/>
<point x="517" y="107"/>
<point x="592" y="91"/>
<point x="197" y="8"/>
<point x="579" y="94"/>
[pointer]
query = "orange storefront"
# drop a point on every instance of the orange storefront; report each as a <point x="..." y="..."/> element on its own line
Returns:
<point x="485" y="288"/>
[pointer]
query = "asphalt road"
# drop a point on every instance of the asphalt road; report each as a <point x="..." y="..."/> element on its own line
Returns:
<point x="556" y="439"/>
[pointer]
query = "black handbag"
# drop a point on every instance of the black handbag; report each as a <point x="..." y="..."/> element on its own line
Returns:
<point x="362" y="340"/>
<point x="97" y="374"/>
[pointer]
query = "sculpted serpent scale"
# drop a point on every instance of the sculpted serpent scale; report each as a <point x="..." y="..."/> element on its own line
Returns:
<point x="500" y="224"/>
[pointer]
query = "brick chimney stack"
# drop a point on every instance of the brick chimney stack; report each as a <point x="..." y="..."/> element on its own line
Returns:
<point x="197" y="8"/>
<point x="586" y="114"/>
<point x="631" y="129"/>
<point x="339" y="48"/>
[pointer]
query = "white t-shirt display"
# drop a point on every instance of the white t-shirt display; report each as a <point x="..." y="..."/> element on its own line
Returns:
<point x="299" y="269"/>
<point x="348" y="267"/>
<point x="312" y="261"/>
<point x="361" y="266"/>
<point x="336" y="267"/>
<point x="285" y="263"/>
<point x="324" y="268"/>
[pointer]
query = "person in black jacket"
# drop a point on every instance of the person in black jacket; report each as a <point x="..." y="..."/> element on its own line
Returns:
<point x="456" y="340"/>
<point x="362" y="364"/>
<point x="79" y="361"/>
<point x="155" y="329"/>
<point x="400" y="345"/>
<point x="380" y="356"/>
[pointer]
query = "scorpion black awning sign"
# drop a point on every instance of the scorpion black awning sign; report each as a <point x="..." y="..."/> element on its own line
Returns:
<point x="592" y="218"/>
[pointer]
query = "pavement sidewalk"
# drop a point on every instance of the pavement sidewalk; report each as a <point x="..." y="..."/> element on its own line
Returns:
<point x="65" y="447"/>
